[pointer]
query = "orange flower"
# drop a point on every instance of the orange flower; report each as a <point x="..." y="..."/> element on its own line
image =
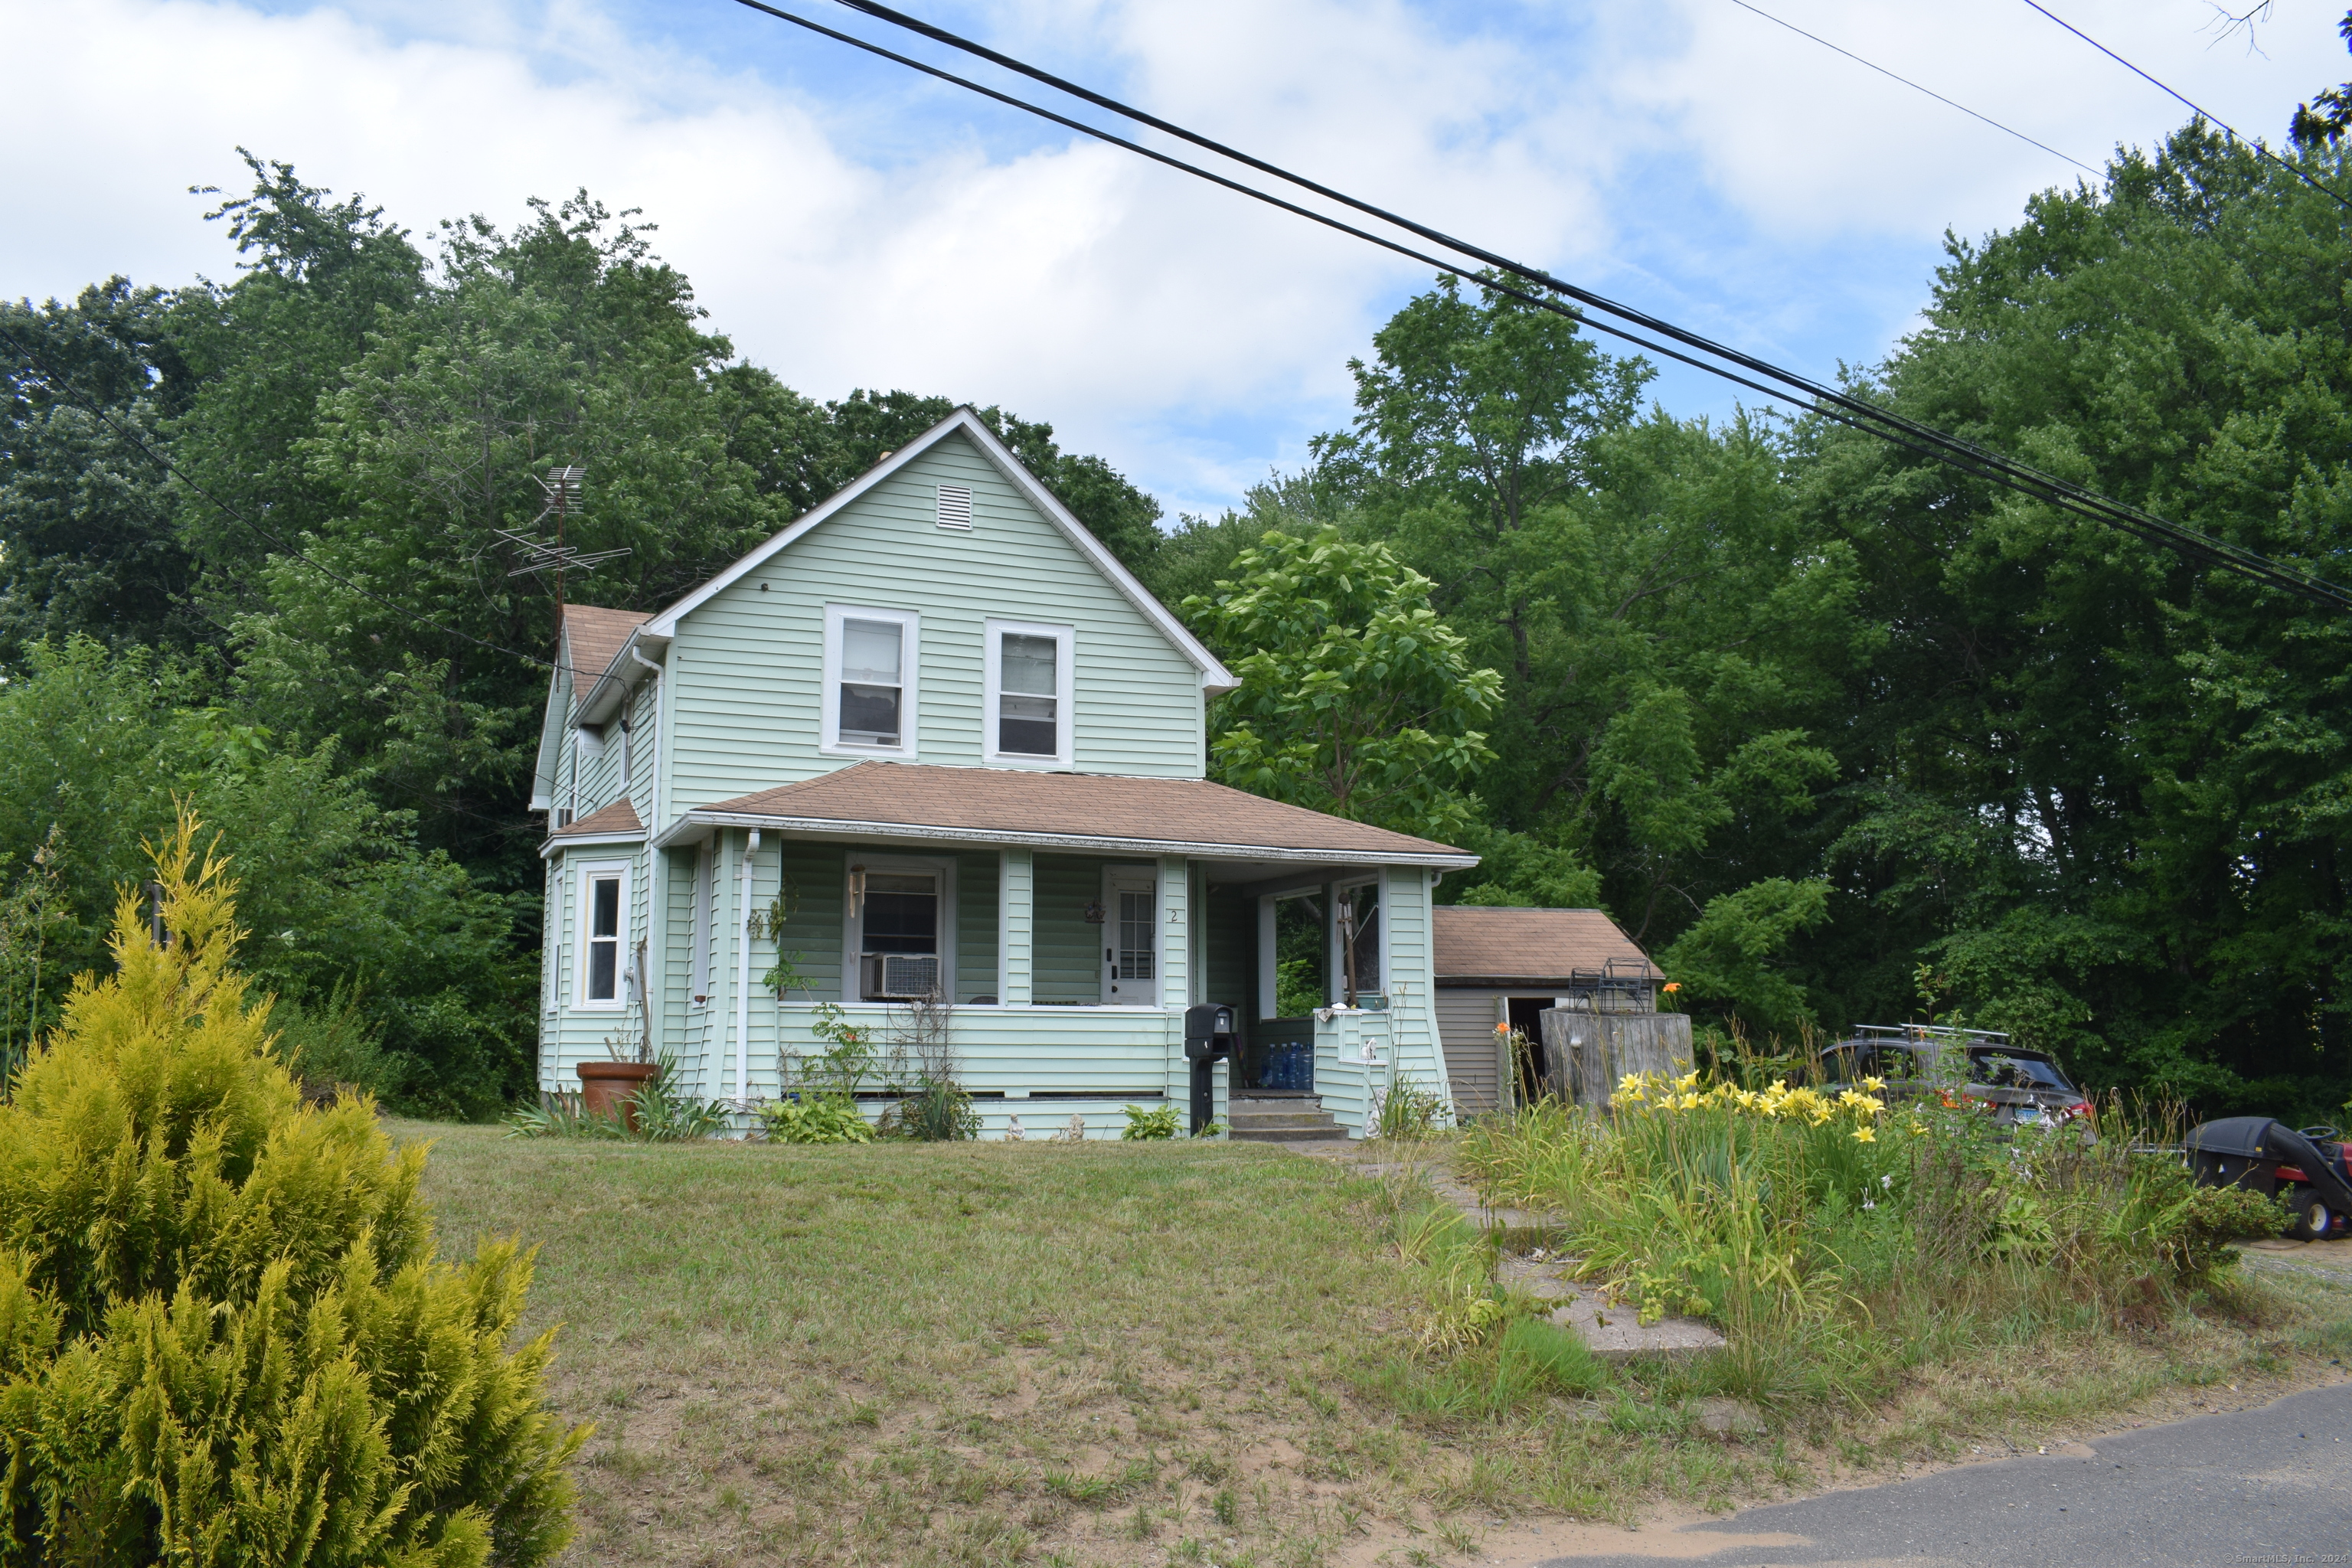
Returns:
<point x="1502" y="1028"/>
<point x="1674" y="985"/>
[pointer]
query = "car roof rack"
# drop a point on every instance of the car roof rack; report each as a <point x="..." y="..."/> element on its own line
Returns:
<point x="1922" y="1033"/>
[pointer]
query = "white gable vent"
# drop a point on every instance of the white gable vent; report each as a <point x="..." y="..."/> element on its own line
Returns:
<point x="955" y="506"/>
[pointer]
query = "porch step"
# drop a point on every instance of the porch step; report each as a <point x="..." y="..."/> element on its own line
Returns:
<point x="1293" y="1118"/>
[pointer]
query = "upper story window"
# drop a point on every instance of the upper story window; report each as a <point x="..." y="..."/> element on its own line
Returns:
<point x="870" y="659"/>
<point x="1029" y="682"/>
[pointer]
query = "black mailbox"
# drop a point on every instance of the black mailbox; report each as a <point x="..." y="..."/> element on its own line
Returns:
<point x="1208" y="1036"/>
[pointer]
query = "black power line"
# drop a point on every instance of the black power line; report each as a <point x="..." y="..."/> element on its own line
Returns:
<point x="2200" y="113"/>
<point x="1906" y="81"/>
<point x="1922" y="439"/>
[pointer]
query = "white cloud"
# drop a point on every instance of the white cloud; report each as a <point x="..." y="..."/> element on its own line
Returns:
<point x="1688" y="155"/>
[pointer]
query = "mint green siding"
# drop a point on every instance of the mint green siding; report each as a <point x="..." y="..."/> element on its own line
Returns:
<point x="975" y="927"/>
<point x="1065" y="962"/>
<point x="747" y="666"/>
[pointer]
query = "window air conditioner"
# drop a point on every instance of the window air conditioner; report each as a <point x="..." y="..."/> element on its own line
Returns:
<point x="900" y="976"/>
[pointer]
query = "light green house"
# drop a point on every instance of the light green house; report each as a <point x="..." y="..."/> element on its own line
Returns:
<point x="966" y="750"/>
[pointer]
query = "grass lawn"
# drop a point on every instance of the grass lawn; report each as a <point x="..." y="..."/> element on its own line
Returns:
<point x="1120" y="1353"/>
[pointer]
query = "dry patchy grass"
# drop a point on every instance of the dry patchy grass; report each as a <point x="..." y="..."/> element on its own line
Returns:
<point x="1123" y="1354"/>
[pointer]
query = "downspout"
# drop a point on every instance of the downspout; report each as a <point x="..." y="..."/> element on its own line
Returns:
<point x="656" y="762"/>
<point x="743" y="981"/>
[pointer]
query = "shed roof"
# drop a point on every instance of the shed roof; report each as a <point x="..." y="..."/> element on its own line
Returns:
<point x="593" y="636"/>
<point x="1077" y="811"/>
<point x="1532" y="947"/>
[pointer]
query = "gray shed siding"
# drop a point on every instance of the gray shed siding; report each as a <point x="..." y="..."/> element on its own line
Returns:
<point x="1466" y="1017"/>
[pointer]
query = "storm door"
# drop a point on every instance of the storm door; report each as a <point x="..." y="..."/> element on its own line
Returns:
<point x="1130" y="937"/>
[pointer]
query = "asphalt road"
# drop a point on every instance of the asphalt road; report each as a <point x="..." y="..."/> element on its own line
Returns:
<point x="2267" y="1486"/>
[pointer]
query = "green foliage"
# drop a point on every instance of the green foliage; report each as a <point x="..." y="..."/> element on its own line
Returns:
<point x="347" y="912"/>
<point x="655" y="1113"/>
<point x="1838" y="1239"/>
<point x="1735" y="953"/>
<point x="219" y="1301"/>
<point x="816" y="1118"/>
<point x="1411" y="1110"/>
<point x="938" y="1110"/>
<point x="1142" y="1126"/>
<point x="1558" y="1357"/>
<point x="1355" y="699"/>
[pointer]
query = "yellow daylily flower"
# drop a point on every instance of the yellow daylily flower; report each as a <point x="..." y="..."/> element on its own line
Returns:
<point x="1864" y="1135"/>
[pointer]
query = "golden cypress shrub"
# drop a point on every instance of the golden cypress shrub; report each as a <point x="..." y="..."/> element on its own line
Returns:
<point x="225" y="1338"/>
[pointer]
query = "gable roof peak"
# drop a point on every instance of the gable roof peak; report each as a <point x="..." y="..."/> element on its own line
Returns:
<point x="966" y="421"/>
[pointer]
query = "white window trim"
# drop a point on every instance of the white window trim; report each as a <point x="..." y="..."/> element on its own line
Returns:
<point x="852" y="924"/>
<point x="1064" y="686"/>
<point x="829" y="740"/>
<point x="589" y="873"/>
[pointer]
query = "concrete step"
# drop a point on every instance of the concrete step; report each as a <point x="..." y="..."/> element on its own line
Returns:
<point x="1270" y="1119"/>
<point x="1331" y="1132"/>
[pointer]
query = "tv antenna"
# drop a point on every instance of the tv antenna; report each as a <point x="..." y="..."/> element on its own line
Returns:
<point x="566" y="490"/>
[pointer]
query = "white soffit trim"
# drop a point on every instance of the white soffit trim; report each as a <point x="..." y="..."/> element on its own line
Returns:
<point x="1215" y="677"/>
<point x="693" y="824"/>
<point x="622" y="674"/>
<point x="588" y="840"/>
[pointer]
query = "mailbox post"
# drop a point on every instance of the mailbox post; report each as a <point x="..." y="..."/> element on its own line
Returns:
<point x="1208" y="1039"/>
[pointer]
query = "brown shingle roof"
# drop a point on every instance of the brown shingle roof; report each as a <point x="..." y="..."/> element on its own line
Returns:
<point x="1536" y="946"/>
<point x="1009" y="806"/>
<point x="618" y="817"/>
<point x="593" y="636"/>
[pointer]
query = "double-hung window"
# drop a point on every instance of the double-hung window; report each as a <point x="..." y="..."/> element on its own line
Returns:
<point x="603" y="940"/>
<point x="1027" y="694"/>
<point x="870" y="659"/>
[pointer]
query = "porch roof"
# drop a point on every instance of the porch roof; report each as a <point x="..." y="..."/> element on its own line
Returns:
<point x="1092" y="812"/>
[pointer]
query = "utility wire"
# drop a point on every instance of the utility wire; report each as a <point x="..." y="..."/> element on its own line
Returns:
<point x="2216" y="119"/>
<point x="61" y="386"/>
<point x="1915" y="87"/>
<point x="1826" y="401"/>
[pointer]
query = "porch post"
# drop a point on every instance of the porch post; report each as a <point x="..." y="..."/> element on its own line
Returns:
<point x="1175" y="931"/>
<point x="1015" y="884"/>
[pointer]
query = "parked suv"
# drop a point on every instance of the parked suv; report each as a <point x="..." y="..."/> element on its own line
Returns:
<point x="2015" y="1086"/>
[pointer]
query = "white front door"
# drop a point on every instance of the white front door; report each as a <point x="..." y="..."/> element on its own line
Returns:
<point x="1130" y="934"/>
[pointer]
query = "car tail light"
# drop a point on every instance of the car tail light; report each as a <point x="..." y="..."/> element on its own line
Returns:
<point x="2080" y="1108"/>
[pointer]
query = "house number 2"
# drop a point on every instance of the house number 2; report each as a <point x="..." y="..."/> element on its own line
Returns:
<point x="1175" y="916"/>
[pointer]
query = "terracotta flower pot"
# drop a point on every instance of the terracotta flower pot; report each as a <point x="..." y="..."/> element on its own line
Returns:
<point x="608" y="1089"/>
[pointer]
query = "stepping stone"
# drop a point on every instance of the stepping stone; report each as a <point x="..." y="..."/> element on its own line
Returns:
<point x="1613" y="1333"/>
<point x="1730" y="1419"/>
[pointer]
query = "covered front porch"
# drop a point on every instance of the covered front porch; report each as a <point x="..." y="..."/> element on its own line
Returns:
<point x="1044" y="930"/>
<point x="1058" y="982"/>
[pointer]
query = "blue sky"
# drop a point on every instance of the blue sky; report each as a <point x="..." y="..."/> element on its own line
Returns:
<point x="849" y="224"/>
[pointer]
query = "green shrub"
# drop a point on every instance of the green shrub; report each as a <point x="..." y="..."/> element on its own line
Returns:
<point x="330" y="1047"/>
<point x="816" y="1118"/>
<point x="224" y="1337"/>
<point x="939" y="1110"/>
<point x="1410" y="1112"/>
<point x="1143" y="1126"/>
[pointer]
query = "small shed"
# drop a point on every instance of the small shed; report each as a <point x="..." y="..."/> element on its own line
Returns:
<point x="1502" y="966"/>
